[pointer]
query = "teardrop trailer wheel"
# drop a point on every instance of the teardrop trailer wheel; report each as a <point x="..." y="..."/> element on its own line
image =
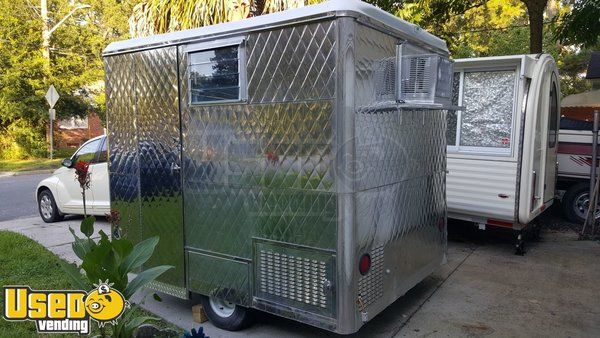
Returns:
<point x="47" y="207"/>
<point x="226" y="315"/>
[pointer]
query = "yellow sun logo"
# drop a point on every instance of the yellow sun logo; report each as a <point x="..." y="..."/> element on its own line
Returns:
<point x="104" y="304"/>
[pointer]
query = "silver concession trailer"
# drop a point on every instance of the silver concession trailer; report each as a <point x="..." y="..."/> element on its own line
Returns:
<point x="292" y="163"/>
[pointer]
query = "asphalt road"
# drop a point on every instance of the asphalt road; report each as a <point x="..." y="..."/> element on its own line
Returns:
<point x="17" y="196"/>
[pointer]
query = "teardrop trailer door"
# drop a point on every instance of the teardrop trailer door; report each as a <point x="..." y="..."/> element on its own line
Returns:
<point x="308" y="164"/>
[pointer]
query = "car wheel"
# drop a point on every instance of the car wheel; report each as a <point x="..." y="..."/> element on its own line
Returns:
<point x="226" y="315"/>
<point x="47" y="207"/>
<point x="576" y="201"/>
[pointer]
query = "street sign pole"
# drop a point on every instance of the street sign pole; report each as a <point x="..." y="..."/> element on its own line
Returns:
<point x="52" y="96"/>
<point x="52" y="114"/>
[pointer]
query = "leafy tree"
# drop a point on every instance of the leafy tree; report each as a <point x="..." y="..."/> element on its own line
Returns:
<point x="75" y="66"/>
<point x="159" y="16"/>
<point x="437" y="14"/>
<point x="581" y="25"/>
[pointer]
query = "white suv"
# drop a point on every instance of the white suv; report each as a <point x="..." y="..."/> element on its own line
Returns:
<point x="60" y="193"/>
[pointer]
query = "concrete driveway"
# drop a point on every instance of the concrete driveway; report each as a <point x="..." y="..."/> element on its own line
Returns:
<point x="484" y="290"/>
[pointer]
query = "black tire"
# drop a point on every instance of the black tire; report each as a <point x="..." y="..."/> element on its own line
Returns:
<point x="47" y="207"/>
<point x="571" y="200"/>
<point x="240" y="319"/>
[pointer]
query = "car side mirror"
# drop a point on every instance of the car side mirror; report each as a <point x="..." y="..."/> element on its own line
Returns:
<point x="67" y="163"/>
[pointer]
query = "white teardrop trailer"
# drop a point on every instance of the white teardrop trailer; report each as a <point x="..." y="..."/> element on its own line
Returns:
<point x="502" y="147"/>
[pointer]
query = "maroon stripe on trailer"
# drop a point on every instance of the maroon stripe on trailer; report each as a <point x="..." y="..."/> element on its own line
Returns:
<point x="499" y="223"/>
<point x="575" y="148"/>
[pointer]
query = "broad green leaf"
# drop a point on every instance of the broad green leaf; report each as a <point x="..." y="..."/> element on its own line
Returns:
<point x="139" y="255"/>
<point x="87" y="226"/>
<point x="144" y="278"/>
<point x="122" y="248"/>
<point x="101" y="263"/>
<point x="81" y="246"/>
<point x="74" y="275"/>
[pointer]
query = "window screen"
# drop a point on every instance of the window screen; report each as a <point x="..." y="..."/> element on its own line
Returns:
<point x="214" y="75"/>
<point x="488" y="98"/>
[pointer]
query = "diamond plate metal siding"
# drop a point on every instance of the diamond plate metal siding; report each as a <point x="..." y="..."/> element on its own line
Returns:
<point x="260" y="177"/>
<point x="399" y="176"/>
<point x="157" y="106"/>
<point x="374" y="51"/>
<point x="292" y="64"/>
<point x="220" y="277"/>
<point x="263" y="169"/>
<point x="122" y="138"/>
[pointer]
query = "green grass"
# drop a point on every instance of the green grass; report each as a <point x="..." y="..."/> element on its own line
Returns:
<point x="37" y="163"/>
<point x="28" y="165"/>
<point x="25" y="262"/>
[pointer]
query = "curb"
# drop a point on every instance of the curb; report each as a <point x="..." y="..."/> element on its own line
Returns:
<point x="28" y="172"/>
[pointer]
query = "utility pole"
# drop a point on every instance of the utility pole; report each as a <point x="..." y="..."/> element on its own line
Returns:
<point x="47" y="30"/>
<point x="46" y="35"/>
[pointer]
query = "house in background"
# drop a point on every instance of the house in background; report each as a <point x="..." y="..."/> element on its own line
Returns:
<point x="74" y="131"/>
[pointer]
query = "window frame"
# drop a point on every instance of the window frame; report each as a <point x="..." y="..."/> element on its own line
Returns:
<point x="100" y="150"/>
<point x="456" y="148"/>
<point x="553" y="85"/>
<point x="240" y="43"/>
<point x="100" y="141"/>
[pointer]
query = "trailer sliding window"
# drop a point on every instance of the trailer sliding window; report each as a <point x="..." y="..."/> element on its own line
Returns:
<point x="216" y="74"/>
<point x="485" y="126"/>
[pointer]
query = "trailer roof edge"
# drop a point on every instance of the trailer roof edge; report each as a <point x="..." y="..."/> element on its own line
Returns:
<point x="328" y="9"/>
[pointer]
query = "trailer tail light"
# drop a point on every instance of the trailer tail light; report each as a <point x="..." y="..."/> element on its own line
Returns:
<point x="364" y="265"/>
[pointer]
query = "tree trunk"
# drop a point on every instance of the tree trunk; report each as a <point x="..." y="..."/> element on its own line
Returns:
<point x="535" y="9"/>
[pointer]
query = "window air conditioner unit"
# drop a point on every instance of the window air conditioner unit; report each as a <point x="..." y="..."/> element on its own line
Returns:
<point x="421" y="77"/>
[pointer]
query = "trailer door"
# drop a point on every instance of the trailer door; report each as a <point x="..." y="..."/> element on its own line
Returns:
<point x="552" y="144"/>
<point x="157" y="105"/>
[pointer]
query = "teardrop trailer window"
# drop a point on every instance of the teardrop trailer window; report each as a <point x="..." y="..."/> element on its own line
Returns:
<point x="485" y="124"/>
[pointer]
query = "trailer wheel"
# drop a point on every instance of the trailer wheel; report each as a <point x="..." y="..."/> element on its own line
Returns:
<point x="226" y="315"/>
<point x="576" y="201"/>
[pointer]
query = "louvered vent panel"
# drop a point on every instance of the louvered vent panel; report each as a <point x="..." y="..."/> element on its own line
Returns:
<point x="370" y="286"/>
<point x="298" y="277"/>
<point x="419" y="76"/>
<point x="295" y="278"/>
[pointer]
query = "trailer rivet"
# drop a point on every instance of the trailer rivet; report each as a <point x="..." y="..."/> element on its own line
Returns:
<point x="387" y="271"/>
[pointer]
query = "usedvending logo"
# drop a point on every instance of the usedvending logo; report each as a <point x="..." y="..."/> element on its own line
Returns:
<point x="64" y="311"/>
